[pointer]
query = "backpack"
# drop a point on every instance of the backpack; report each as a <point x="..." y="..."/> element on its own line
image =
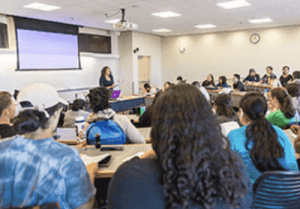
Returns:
<point x="110" y="132"/>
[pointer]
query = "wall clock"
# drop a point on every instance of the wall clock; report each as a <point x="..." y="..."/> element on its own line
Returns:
<point x="254" y="38"/>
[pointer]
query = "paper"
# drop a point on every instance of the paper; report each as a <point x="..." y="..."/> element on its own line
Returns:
<point x="88" y="160"/>
<point x="229" y="126"/>
<point x="66" y="133"/>
<point x="139" y="154"/>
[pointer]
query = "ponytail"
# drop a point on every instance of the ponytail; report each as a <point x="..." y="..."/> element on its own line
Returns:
<point x="265" y="149"/>
<point x="285" y="101"/>
<point x="31" y="120"/>
<point x="288" y="108"/>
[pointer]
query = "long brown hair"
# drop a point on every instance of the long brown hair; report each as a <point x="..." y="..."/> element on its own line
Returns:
<point x="284" y="99"/>
<point x="195" y="159"/>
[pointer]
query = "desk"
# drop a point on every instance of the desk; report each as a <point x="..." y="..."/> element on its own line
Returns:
<point x="257" y="87"/>
<point x="117" y="157"/>
<point x="127" y="103"/>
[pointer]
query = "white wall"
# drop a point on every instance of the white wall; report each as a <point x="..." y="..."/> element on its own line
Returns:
<point x="230" y="52"/>
<point x="126" y="63"/>
<point x="87" y="77"/>
<point x="149" y="45"/>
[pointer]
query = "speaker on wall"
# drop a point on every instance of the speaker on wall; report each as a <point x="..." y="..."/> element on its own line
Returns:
<point x="3" y="36"/>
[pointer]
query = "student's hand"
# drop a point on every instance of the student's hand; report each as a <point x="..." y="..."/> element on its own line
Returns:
<point x="246" y="82"/>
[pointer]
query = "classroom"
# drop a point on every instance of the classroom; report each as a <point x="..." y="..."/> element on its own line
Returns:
<point x="149" y="104"/>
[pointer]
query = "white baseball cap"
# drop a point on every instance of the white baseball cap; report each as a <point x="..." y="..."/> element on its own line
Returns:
<point x="40" y="95"/>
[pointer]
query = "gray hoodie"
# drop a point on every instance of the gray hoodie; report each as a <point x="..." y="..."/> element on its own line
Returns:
<point x="132" y="134"/>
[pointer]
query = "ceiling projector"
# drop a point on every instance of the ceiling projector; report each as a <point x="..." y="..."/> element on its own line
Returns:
<point x="124" y="25"/>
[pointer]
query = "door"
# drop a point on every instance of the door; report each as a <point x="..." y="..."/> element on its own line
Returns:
<point x="144" y="72"/>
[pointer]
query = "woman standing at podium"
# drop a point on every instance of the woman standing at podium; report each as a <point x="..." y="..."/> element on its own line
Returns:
<point x="107" y="79"/>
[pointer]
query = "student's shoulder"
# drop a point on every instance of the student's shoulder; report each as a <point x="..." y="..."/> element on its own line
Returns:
<point x="236" y="133"/>
<point x="138" y="167"/>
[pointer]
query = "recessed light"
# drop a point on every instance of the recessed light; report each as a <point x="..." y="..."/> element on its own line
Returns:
<point x="261" y="20"/>
<point x="205" y="26"/>
<point x="234" y="4"/>
<point x="40" y="6"/>
<point x="167" y="14"/>
<point x="112" y="21"/>
<point x="163" y="30"/>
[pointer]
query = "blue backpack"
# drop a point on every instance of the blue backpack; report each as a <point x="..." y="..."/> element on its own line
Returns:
<point x="110" y="132"/>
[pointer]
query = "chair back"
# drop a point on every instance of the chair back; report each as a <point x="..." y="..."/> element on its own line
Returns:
<point x="277" y="189"/>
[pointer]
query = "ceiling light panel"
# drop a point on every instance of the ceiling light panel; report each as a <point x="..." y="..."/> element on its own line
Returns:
<point x="163" y="30"/>
<point x="205" y="26"/>
<point x="234" y="4"/>
<point x="261" y="20"/>
<point x="167" y="14"/>
<point x="40" y="6"/>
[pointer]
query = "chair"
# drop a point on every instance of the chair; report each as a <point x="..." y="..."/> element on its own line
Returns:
<point x="277" y="189"/>
<point x="52" y="205"/>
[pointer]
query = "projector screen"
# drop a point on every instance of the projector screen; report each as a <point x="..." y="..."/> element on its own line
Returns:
<point x="39" y="50"/>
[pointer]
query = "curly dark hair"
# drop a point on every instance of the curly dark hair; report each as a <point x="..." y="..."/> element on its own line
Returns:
<point x="103" y="71"/>
<point x="99" y="99"/>
<point x="196" y="161"/>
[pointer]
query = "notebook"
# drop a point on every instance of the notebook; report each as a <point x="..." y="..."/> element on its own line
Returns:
<point x="66" y="133"/>
<point x="115" y="94"/>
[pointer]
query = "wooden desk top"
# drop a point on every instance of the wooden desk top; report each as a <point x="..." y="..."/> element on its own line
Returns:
<point x="238" y="93"/>
<point x="117" y="157"/>
<point x="213" y="90"/>
<point x="258" y="85"/>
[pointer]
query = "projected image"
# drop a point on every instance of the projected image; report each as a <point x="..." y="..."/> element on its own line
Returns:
<point x="45" y="50"/>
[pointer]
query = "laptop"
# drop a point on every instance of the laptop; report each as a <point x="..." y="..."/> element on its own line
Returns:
<point x="115" y="94"/>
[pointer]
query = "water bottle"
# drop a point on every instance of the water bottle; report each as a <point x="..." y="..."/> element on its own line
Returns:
<point x="98" y="141"/>
<point x="142" y="109"/>
<point x="79" y="124"/>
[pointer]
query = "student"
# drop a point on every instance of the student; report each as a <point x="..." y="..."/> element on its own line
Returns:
<point x="194" y="167"/>
<point x="296" y="130"/>
<point x="150" y="90"/>
<point x="34" y="168"/>
<point x="252" y="77"/>
<point x="237" y="84"/>
<point x="281" y="107"/>
<point x="179" y="79"/>
<point x="77" y="110"/>
<point x="222" y="82"/>
<point x="286" y="77"/>
<point x="296" y="77"/>
<point x="223" y="109"/>
<point x="202" y="89"/>
<point x="101" y="111"/>
<point x="107" y="79"/>
<point x="268" y="76"/>
<point x="209" y="81"/>
<point x="263" y="146"/>
<point x="7" y="113"/>
<point x="145" y="118"/>
<point x="294" y="90"/>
